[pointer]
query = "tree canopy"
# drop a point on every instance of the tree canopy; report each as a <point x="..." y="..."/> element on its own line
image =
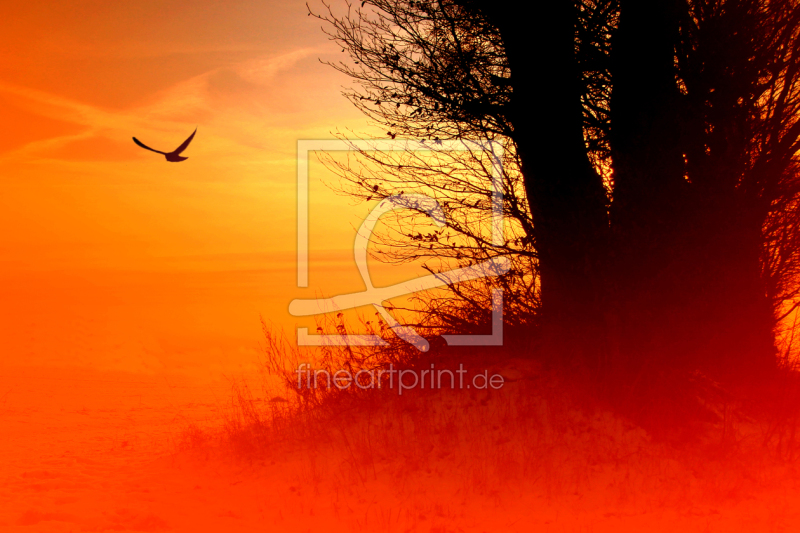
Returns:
<point x="650" y="167"/>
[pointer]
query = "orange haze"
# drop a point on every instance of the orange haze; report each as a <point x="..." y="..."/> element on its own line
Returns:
<point x="132" y="287"/>
<point x="113" y="258"/>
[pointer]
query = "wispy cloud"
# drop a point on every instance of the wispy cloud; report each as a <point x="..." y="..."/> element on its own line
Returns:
<point x="239" y="115"/>
<point x="98" y="121"/>
<point x="263" y="70"/>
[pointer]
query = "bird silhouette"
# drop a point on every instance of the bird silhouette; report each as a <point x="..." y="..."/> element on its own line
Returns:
<point x="174" y="156"/>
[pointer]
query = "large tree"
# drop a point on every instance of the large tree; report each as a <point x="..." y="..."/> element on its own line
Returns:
<point x="651" y="172"/>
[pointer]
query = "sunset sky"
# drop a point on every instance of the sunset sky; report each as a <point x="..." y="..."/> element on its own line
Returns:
<point x="138" y="393"/>
<point x="115" y="259"/>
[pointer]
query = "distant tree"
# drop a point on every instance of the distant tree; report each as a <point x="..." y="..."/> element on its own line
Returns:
<point x="651" y="174"/>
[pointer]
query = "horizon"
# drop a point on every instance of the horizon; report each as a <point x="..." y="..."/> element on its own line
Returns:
<point x="245" y="286"/>
<point x="146" y="265"/>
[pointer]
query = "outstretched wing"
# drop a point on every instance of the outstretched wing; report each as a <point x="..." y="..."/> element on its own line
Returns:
<point x="140" y="143"/>
<point x="182" y="147"/>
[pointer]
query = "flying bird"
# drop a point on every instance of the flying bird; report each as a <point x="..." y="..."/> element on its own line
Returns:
<point x="174" y="156"/>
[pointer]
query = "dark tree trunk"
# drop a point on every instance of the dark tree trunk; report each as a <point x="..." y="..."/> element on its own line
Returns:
<point x="685" y="273"/>
<point x="651" y="197"/>
<point x="732" y="307"/>
<point x="669" y="283"/>
<point x="565" y="194"/>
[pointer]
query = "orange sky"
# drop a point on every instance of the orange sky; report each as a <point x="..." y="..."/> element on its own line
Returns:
<point x="115" y="259"/>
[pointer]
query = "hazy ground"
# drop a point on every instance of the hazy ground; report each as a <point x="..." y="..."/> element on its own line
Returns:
<point x="110" y="452"/>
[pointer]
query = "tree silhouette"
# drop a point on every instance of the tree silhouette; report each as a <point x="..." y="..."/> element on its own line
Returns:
<point x="651" y="178"/>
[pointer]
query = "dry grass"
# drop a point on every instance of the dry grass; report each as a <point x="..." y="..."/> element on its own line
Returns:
<point x="532" y="452"/>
